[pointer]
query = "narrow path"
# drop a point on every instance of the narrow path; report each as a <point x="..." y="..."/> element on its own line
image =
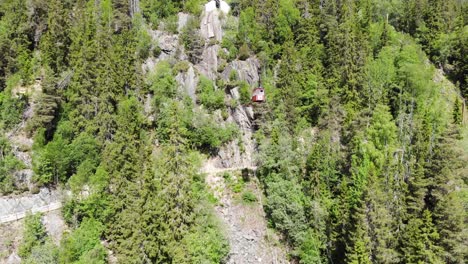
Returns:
<point x="221" y="170"/>
<point x="15" y="208"/>
<point x="41" y="209"/>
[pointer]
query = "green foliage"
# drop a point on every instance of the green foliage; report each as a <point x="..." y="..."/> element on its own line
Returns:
<point x="8" y="165"/>
<point x="310" y="250"/>
<point x="419" y="240"/>
<point x="11" y="110"/>
<point x="357" y="154"/>
<point x="285" y="206"/>
<point x="170" y="24"/>
<point x="205" y="243"/>
<point x="181" y="66"/>
<point x="16" y="33"/>
<point x="60" y="159"/>
<point x="248" y="197"/>
<point x="162" y="84"/>
<point x="144" y="41"/>
<point x="208" y="95"/>
<point x="192" y="40"/>
<point x="457" y="115"/>
<point x="206" y="134"/>
<point x="83" y="245"/>
<point x="47" y="104"/>
<point x="46" y="253"/>
<point x="194" y="7"/>
<point x="153" y="11"/>
<point x="286" y="20"/>
<point x="248" y="32"/>
<point x="34" y="234"/>
<point x="244" y="52"/>
<point x="245" y="93"/>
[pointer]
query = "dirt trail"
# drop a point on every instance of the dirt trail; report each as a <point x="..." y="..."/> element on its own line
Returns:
<point x="15" y="208"/>
<point x="41" y="209"/>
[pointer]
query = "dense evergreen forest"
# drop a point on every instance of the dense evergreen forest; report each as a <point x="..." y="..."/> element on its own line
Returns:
<point x="361" y="146"/>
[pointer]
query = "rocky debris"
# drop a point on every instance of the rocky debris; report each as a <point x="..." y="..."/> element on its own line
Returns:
<point x="170" y="49"/>
<point x="13" y="259"/>
<point x="246" y="228"/>
<point x="54" y="225"/>
<point x="20" y="141"/>
<point x="32" y="90"/>
<point x="211" y="31"/>
<point x="134" y="7"/>
<point x="168" y="43"/>
<point x="11" y="235"/>
<point x="246" y="70"/>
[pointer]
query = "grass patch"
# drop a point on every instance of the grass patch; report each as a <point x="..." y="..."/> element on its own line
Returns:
<point x="248" y="197"/>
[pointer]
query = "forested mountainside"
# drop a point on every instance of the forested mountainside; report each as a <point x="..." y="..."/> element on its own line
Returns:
<point x="139" y="113"/>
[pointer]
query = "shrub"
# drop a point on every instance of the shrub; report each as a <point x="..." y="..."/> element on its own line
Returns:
<point x="180" y="66"/>
<point x="193" y="7"/>
<point x="244" y="52"/>
<point x="209" y="136"/>
<point x="144" y="43"/>
<point x="162" y="83"/>
<point x="83" y="244"/>
<point x="208" y="96"/>
<point x="233" y="76"/>
<point x="248" y="197"/>
<point x="46" y="253"/>
<point x="238" y="186"/>
<point x="170" y="24"/>
<point x="192" y="41"/>
<point x="244" y="91"/>
<point x="156" y="51"/>
<point x="34" y="234"/>
<point x="11" y="110"/>
<point x="221" y="66"/>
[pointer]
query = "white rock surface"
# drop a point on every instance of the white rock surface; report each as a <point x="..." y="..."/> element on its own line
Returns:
<point x="210" y="26"/>
<point x="188" y="81"/>
<point x="223" y="6"/>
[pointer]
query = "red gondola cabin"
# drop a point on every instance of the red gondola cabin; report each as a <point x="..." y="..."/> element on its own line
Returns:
<point x="258" y="95"/>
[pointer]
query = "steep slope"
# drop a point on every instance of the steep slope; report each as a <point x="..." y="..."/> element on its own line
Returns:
<point x="246" y="228"/>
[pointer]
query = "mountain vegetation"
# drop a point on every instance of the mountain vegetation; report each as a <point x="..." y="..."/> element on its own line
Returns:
<point x="362" y="145"/>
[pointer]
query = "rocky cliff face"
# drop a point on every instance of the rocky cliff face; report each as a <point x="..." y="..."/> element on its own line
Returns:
<point x="238" y="153"/>
<point x="245" y="225"/>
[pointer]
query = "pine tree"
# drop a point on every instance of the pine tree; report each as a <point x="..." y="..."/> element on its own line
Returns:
<point x="418" y="244"/>
<point x="55" y="42"/>
<point x="444" y="199"/>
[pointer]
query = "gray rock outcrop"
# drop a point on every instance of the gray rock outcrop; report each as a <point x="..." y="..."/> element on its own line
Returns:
<point x="188" y="81"/>
<point x="246" y="70"/>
